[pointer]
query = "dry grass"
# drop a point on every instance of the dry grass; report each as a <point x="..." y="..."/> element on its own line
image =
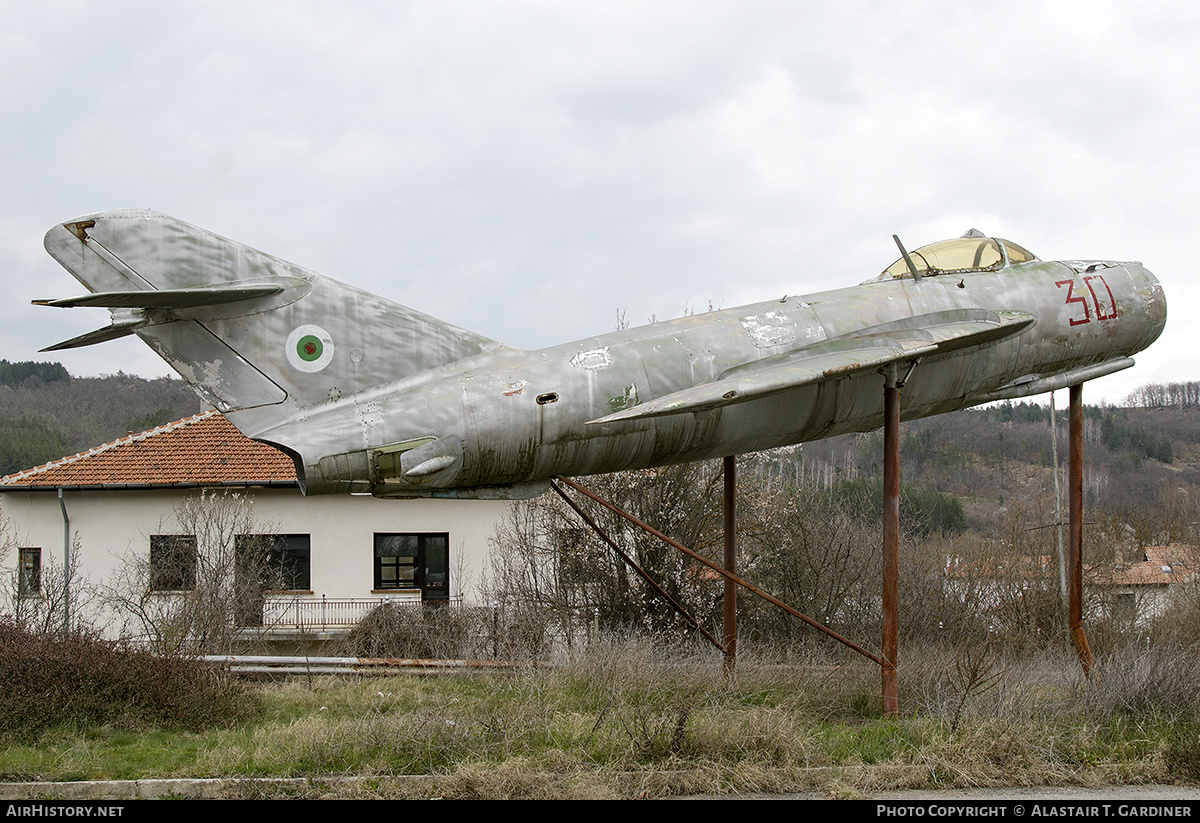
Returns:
<point x="632" y="720"/>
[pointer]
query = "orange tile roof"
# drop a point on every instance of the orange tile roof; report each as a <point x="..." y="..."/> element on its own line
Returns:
<point x="1163" y="565"/>
<point x="202" y="450"/>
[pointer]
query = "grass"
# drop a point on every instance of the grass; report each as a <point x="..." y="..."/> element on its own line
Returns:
<point x="632" y="720"/>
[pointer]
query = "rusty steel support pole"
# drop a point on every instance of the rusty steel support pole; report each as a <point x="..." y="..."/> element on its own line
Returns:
<point x="631" y="563"/>
<point x="891" y="543"/>
<point x="1075" y="533"/>
<point x="699" y="558"/>
<point x="730" y="602"/>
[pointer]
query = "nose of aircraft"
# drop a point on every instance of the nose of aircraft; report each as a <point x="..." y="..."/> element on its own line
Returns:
<point x="1153" y="299"/>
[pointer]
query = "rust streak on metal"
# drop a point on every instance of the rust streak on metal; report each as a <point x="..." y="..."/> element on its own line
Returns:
<point x="846" y="369"/>
<point x="629" y="561"/>
<point x="710" y="564"/>
<point x="80" y="229"/>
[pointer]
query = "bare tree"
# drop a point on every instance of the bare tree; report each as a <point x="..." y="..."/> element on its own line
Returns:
<point x="546" y="559"/>
<point x="41" y="595"/>
<point x="801" y="545"/>
<point x="8" y="541"/>
<point x="56" y="601"/>
<point x="199" y="588"/>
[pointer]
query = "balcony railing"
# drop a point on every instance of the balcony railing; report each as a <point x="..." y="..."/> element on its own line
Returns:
<point x="309" y="613"/>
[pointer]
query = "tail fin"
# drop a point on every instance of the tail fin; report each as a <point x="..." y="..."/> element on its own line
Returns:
<point x="245" y="329"/>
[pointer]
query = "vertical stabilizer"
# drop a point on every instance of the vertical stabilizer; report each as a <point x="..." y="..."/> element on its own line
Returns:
<point x="245" y="329"/>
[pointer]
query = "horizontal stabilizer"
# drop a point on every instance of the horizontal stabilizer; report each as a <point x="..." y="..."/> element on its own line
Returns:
<point x="164" y="298"/>
<point x="113" y="332"/>
<point x="876" y="347"/>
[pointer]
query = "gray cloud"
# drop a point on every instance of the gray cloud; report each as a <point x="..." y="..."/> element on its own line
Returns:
<point x="527" y="169"/>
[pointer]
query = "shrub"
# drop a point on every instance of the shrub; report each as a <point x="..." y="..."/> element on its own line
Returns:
<point x="73" y="680"/>
<point x="447" y="632"/>
<point x="1155" y="682"/>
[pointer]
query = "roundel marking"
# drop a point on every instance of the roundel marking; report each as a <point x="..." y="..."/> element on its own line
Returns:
<point x="309" y="348"/>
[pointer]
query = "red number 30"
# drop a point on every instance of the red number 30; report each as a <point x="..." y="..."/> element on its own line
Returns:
<point x="1105" y="310"/>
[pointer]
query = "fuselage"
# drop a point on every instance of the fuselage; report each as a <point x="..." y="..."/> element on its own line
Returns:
<point x="508" y="417"/>
<point x="371" y="396"/>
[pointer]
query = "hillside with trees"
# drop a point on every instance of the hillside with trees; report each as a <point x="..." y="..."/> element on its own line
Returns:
<point x="45" y="413"/>
<point x="980" y="458"/>
<point x="978" y="519"/>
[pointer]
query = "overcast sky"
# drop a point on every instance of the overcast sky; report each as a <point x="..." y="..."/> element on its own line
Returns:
<point x="529" y="169"/>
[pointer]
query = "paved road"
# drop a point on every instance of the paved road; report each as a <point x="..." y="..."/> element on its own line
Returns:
<point x="1161" y="795"/>
<point x="1153" y="794"/>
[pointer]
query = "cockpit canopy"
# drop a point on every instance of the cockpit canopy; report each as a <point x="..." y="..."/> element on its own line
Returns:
<point x="969" y="253"/>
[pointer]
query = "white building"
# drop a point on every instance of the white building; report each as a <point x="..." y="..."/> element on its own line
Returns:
<point x="338" y="556"/>
<point x="1133" y="592"/>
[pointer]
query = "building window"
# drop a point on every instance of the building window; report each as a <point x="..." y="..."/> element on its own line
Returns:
<point x="289" y="558"/>
<point x="263" y="563"/>
<point x="172" y="562"/>
<point x="281" y="561"/>
<point x="30" y="581"/>
<point x="413" y="561"/>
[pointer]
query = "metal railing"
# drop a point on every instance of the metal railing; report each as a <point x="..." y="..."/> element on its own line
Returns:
<point x="300" y="612"/>
<point x="276" y="664"/>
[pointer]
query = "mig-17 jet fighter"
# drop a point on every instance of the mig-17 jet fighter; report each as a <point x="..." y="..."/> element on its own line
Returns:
<point x="367" y="395"/>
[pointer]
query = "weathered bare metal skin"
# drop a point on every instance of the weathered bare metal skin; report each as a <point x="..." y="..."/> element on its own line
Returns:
<point x="370" y="396"/>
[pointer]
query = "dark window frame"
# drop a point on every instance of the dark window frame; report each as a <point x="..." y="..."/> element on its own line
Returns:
<point x="407" y="561"/>
<point x="29" y="576"/>
<point x="288" y="556"/>
<point x="291" y="556"/>
<point x="173" y="561"/>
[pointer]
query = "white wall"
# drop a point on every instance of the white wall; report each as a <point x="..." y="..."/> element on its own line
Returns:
<point x="111" y="524"/>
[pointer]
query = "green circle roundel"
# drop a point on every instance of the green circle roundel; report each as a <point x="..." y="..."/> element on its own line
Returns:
<point x="309" y="348"/>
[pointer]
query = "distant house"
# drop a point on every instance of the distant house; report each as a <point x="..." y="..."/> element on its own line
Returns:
<point x="1135" y="592"/>
<point x="333" y="558"/>
<point x="1143" y="590"/>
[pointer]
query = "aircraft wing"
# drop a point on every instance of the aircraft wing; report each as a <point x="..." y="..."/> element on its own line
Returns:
<point x="871" y="348"/>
